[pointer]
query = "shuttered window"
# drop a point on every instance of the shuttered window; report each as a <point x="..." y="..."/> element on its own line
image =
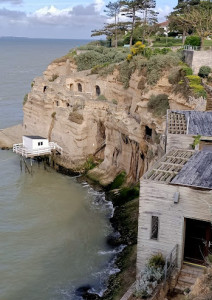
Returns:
<point x="154" y="227"/>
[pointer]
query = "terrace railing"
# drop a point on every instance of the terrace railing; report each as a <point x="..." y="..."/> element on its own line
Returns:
<point x="26" y="152"/>
<point x="170" y="262"/>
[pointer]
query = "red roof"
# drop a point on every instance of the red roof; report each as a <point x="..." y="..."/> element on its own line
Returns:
<point x="166" y="23"/>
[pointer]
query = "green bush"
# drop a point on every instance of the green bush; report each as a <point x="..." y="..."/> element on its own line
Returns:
<point x="159" y="63"/>
<point x="101" y="98"/>
<point x="194" y="79"/>
<point x="193" y="40"/>
<point x="126" y="69"/>
<point x="204" y="71"/>
<point x="187" y="71"/>
<point x="99" y="56"/>
<point x="196" y="86"/>
<point x="158" y="104"/>
<point x="174" y="76"/>
<point x="107" y="70"/>
<point x="53" y="114"/>
<point x="156" y="261"/>
<point x="54" y="77"/>
<point x="25" y="99"/>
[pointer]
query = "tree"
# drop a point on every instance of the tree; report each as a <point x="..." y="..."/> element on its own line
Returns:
<point x="131" y="8"/>
<point x="180" y="24"/>
<point x="199" y="17"/>
<point x="112" y="10"/>
<point x="111" y="30"/>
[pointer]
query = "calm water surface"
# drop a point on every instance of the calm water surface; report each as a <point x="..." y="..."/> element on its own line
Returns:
<point x="52" y="229"/>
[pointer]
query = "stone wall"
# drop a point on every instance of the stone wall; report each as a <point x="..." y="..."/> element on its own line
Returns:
<point x="197" y="59"/>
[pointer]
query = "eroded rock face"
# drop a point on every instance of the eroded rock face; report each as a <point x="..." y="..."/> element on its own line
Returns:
<point x="89" y="115"/>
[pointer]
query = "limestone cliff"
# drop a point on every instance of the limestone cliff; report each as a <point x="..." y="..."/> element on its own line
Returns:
<point x="91" y="115"/>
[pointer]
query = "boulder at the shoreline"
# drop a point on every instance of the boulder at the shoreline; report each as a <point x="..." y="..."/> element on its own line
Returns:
<point x="11" y="135"/>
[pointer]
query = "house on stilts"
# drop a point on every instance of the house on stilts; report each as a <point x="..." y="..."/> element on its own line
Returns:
<point x="35" y="146"/>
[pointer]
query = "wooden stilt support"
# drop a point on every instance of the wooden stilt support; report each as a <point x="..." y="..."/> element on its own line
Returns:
<point x="21" y="160"/>
<point x="31" y="165"/>
<point x="26" y="167"/>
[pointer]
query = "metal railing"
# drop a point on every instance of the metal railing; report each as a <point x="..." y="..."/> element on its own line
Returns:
<point x="170" y="262"/>
<point x="197" y="48"/>
<point x="20" y="149"/>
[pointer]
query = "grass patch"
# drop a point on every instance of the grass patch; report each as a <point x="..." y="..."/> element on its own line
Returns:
<point x="207" y="43"/>
<point x="25" y="99"/>
<point x="89" y="164"/>
<point x="118" y="181"/>
<point x="124" y="195"/>
<point x="167" y="42"/>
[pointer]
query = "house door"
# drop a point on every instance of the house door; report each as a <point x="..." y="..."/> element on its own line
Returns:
<point x="198" y="241"/>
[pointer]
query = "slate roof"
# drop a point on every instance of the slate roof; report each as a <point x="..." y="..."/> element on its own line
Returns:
<point x="35" y="137"/>
<point x="197" y="172"/>
<point x="169" y="166"/>
<point x="199" y="122"/>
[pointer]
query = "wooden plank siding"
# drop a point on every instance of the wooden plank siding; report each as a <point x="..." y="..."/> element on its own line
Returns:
<point x="182" y="141"/>
<point x="156" y="199"/>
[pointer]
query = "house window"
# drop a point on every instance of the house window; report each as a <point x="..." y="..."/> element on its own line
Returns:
<point x="40" y="143"/>
<point x="154" y="228"/>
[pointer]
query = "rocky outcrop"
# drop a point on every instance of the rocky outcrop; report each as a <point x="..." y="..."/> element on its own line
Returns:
<point x="10" y="136"/>
<point x="91" y="115"/>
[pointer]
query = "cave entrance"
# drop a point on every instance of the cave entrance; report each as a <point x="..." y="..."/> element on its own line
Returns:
<point x="79" y="87"/>
<point x="148" y="133"/>
<point x="98" y="90"/>
<point x="44" y="88"/>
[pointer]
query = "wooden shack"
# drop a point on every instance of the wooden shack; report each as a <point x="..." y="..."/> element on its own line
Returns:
<point x="183" y="126"/>
<point x="35" y="142"/>
<point x="33" y="146"/>
<point x="175" y="208"/>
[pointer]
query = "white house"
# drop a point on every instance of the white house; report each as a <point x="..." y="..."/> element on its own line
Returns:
<point x="33" y="146"/>
<point x="35" y="142"/>
<point x="175" y="208"/>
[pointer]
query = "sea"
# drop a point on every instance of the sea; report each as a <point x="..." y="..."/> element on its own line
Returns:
<point x="53" y="228"/>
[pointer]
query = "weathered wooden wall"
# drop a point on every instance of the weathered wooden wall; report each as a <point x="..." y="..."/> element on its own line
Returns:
<point x="156" y="199"/>
<point x="179" y="141"/>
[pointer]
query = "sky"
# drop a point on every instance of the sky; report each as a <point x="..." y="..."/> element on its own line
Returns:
<point x="59" y="19"/>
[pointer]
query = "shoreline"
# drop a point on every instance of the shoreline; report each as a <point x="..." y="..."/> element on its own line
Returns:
<point x="123" y="222"/>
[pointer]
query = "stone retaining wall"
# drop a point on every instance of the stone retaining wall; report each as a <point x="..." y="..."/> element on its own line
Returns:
<point x="197" y="59"/>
